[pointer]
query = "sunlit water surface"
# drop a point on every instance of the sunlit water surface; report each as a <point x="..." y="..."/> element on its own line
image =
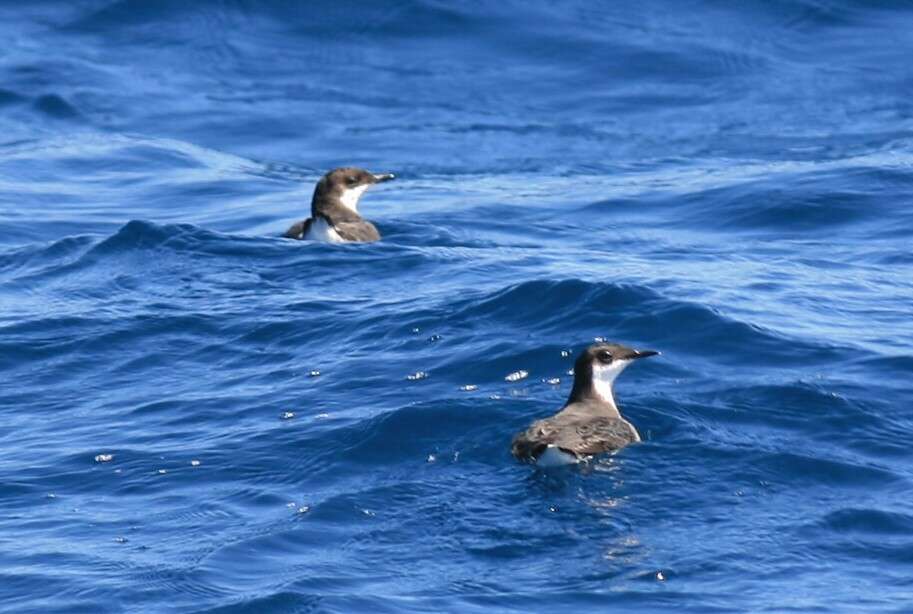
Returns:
<point x="197" y="415"/>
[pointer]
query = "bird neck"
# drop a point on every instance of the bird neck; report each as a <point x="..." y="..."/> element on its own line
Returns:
<point x="332" y="208"/>
<point x="335" y="201"/>
<point x="596" y="385"/>
<point x="604" y="391"/>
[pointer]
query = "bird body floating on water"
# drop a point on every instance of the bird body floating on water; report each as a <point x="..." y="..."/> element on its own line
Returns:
<point x="334" y="209"/>
<point x="589" y="423"/>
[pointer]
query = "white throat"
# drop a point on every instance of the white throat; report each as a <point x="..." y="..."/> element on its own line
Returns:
<point x="350" y="196"/>
<point x="604" y="378"/>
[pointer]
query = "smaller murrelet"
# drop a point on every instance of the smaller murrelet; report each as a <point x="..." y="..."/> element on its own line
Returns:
<point x="334" y="208"/>
<point x="589" y="423"/>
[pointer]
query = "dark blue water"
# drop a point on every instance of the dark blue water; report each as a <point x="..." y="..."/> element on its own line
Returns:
<point x="729" y="183"/>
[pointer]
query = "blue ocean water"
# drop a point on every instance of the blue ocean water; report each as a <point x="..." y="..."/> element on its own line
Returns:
<point x="199" y="416"/>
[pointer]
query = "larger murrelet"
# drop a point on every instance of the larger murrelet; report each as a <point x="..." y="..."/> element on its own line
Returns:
<point x="589" y="423"/>
<point x="334" y="208"/>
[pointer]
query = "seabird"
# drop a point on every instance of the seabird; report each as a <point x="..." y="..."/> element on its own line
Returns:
<point x="334" y="208"/>
<point x="589" y="423"/>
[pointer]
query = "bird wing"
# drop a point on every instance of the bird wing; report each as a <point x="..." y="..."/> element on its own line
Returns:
<point x="596" y="435"/>
<point x="581" y="436"/>
<point x="357" y="231"/>
<point x="298" y="230"/>
<point x="529" y="444"/>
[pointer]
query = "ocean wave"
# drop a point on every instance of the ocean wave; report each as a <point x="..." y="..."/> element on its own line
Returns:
<point x="641" y="313"/>
<point x="198" y="415"/>
<point x="867" y="520"/>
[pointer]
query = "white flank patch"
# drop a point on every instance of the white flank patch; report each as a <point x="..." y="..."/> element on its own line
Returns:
<point x="350" y="197"/>
<point x="555" y="457"/>
<point x="320" y="230"/>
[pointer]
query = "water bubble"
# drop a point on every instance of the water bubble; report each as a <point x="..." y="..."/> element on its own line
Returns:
<point x="431" y="458"/>
<point x="368" y="513"/>
<point x="416" y="330"/>
<point x="516" y="376"/>
<point x="660" y="576"/>
<point x="565" y="353"/>
<point x="314" y="373"/>
<point x="120" y="540"/>
<point x="287" y="415"/>
<point x="51" y="495"/>
<point x="162" y="471"/>
<point x="469" y="388"/>
<point x="553" y="508"/>
<point x="494" y="397"/>
<point x="194" y="463"/>
<point x="322" y="416"/>
<point x="552" y="381"/>
<point x="304" y="509"/>
<point x="416" y="376"/>
<point x="599" y="339"/>
<point x="570" y="371"/>
<point x="434" y="338"/>
<point x="104" y="458"/>
<point x="291" y="505"/>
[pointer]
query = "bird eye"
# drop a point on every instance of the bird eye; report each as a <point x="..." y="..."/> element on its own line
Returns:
<point x="351" y="180"/>
<point x="604" y="356"/>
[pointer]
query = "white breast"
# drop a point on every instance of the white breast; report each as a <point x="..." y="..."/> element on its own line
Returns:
<point x="320" y="230"/>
